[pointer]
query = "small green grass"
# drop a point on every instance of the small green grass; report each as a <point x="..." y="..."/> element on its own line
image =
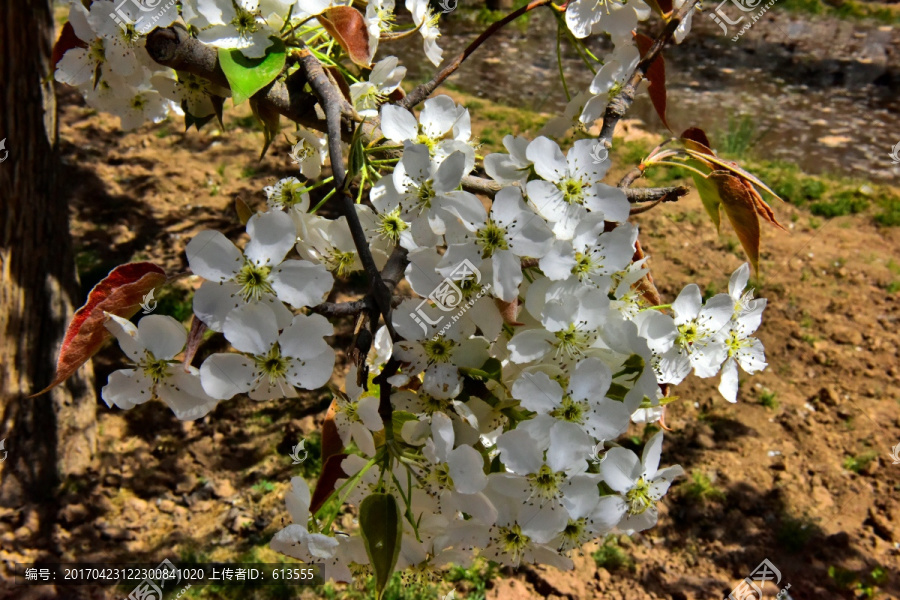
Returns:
<point x="767" y="399"/>
<point x="858" y="462"/>
<point x="612" y="557"/>
<point x="700" y="488"/>
<point x="848" y="9"/>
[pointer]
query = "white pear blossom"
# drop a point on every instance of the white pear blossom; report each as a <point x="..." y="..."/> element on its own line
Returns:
<point x="260" y="274"/>
<point x="442" y="126"/>
<point x="592" y="255"/>
<point x="439" y="355"/>
<point x="152" y="345"/>
<point x="513" y="167"/>
<point x="692" y="340"/>
<point x="295" y="540"/>
<point x="384" y="79"/>
<point x="639" y="484"/>
<point x="510" y="232"/>
<point x="426" y="20"/>
<point x="742" y="349"/>
<point x="586" y="17"/>
<point x="571" y="186"/>
<point x="245" y="25"/>
<point x="583" y="403"/>
<point x="356" y="415"/>
<point x="271" y="365"/>
<point x="309" y="152"/>
<point x="288" y="193"/>
<point x="609" y="80"/>
<point x="422" y="190"/>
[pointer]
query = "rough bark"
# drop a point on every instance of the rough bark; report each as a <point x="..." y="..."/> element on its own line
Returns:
<point x="53" y="436"/>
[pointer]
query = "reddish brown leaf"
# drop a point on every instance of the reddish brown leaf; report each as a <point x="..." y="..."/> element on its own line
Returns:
<point x="331" y="472"/>
<point x="347" y="25"/>
<point x="656" y="75"/>
<point x="66" y="41"/>
<point x="340" y="80"/>
<point x="396" y="96"/>
<point x="740" y="208"/>
<point x="120" y="293"/>
<point x="195" y="337"/>
<point x="645" y="285"/>
<point x="697" y="135"/>
<point x="331" y="440"/>
<point x="509" y="311"/>
<point x="762" y="209"/>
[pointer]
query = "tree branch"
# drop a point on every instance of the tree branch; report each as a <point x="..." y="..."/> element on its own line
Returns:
<point x="333" y="104"/>
<point x="173" y="47"/>
<point x="666" y="194"/>
<point x="619" y="105"/>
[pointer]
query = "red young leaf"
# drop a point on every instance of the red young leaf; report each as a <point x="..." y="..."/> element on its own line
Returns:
<point x="120" y="293"/>
<point x="340" y="80"/>
<point x="347" y="25"/>
<point x="656" y="75"/>
<point x="740" y="209"/>
<point x="331" y="439"/>
<point x="195" y="337"/>
<point x="509" y="311"/>
<point x="331" y="472"/>
<point x="762" y="209"/>
<point x="67" y="40"/>
<point x="696" y="134"/>
<point x="645" y="285"/>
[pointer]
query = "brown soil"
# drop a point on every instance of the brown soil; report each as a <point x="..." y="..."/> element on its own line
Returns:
<point x="164" y="489"/>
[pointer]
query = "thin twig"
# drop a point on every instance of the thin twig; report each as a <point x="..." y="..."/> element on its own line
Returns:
<point x="666" y="194"/>
<point x="421" y="92"/>
<point x="619" y="105"/>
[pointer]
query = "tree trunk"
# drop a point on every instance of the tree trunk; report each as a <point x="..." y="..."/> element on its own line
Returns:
<point x="52" y="436"/>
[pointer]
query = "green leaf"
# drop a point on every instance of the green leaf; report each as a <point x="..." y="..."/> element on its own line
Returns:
<point x="379" y="523"/>
<point x="489" y="370"/>
<point x="398" y="418"/>
<point x="709" y="193"/>
<point x="246" y="76"/>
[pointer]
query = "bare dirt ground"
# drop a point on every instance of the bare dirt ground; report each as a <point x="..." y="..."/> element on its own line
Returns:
<point x="797" y="472"/>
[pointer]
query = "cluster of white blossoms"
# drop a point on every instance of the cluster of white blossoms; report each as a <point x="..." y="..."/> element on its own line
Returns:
<point x="529" y="349"/>
<point x="499" y="417"/>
